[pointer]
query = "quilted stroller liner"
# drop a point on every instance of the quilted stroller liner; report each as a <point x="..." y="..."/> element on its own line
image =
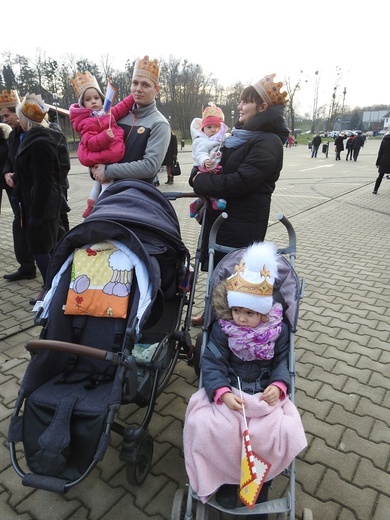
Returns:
<point x="83" y="368"/>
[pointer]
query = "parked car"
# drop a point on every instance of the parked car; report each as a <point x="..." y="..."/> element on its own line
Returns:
<point x="370" y="133"/>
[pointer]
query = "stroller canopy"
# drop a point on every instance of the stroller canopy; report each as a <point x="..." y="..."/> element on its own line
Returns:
<point x="142" y="208"/>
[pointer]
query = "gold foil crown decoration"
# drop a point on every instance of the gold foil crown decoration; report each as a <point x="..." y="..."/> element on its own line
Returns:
<point x="81" y="82"/>
<point x="270" y="91"/>
<point x="213" y="111"/>
<point x="34" y="108"/>
<point x="9" y="99"/>
<point x="148" y="69"/>
<point x="237" y="283"/>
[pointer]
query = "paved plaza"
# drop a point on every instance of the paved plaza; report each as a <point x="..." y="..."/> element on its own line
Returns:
<point x="342" y="354"/>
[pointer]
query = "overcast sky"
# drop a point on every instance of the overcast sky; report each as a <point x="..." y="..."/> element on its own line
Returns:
<point x="243" y="43"/>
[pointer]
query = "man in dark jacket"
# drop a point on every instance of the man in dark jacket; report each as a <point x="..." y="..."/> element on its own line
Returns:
<point x="315" y="145"/>
<point x="358" y="143"/>
<point x="26" y="270"/>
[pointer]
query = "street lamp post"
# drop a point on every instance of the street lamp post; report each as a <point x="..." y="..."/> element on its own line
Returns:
<point x="232" y="115"/>
<point x="342" y="109"/>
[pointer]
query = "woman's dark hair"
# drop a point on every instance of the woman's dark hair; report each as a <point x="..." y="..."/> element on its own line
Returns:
<point x="250" y="95"/>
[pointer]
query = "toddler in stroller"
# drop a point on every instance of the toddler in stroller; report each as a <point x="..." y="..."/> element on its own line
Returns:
<point x="246" y="382"/>
<point x="109" y="337"/>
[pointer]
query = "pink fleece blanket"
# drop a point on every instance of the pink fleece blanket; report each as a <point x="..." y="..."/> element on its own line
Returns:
<point x="213" y="437"/>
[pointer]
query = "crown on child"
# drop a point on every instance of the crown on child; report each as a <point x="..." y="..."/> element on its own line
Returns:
<point x="34" y="108"/>
<point x="237" y="283"/>
<point x="270" y="91"/>
<point x="213" y="111"/>
<point x="9" y="99"/>
<point x="148" y="69"/>
<point x="81" y="82"/>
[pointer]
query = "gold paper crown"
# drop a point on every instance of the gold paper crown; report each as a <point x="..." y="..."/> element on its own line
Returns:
<point x="81" y="82"/>
<point x="9" y="99"/>
<point x="148" y="69"/>
<point x="238" y="284"/>
<point x="34" y="108"/>
<point x="213" y="111"/>
<point x="270" y="91"/>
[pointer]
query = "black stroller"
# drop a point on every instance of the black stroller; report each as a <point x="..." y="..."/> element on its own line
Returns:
<point x="84" y="367"/>
<point x="288" y="290"/>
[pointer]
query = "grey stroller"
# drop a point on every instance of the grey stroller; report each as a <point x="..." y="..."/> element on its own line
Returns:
<point x="288" y="290"/>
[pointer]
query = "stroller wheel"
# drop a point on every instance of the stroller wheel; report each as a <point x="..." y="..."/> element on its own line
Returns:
<point x="136" y="472"/>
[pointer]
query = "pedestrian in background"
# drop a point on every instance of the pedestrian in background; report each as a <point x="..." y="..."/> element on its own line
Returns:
<point x="170" y="158"/>
<point x="348" y="146"/>
<point x="382" y="161"/>
<point x="315" y="144"/>
<point x="339" y="145"/>
<point x="358" y="143"/>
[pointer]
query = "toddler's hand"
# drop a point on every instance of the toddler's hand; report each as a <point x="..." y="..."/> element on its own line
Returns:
<point x="232" y="401"/>
<point x="271" y="395"/>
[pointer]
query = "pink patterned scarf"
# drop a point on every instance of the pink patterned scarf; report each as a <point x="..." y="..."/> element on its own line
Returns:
<point x="255" y="343"/>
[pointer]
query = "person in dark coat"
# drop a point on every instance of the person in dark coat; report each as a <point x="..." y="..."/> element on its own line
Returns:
<point x="315" y="144"/>
<point x="339" y="145"/>
<point x="26" y="270"/>
<point x="348" y="147"/>
<point x="358" y="143"/>
<point x="170" y="157"/>
<point x="39" y="182"/>
<point x="252" y="158"/>
<point x="64" y="160"/>
<point x="382" y="161"/>
<point x="5" y="130"/>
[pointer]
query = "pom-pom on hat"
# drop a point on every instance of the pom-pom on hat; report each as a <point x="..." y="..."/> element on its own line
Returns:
<point x="33" y="108"/>
<point x="212" y="115"/>
<point x="147" y="69"/>
<point x="270" y="91"/>
<point x="82" y="82"/>
<point x="251" y="286"/>
<point x="9" y="99"/>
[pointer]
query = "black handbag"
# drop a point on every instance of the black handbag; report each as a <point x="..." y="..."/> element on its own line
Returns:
<point x="175" y="169"/>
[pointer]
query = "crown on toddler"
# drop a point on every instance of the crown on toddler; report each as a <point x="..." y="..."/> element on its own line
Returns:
<point x="238" y="284"/>
<point x="9" y="99"/>
<point x="270" y="91"/>
<point x="34" y="108"/>
<point x="81" y="82"/>
<point x="148" y="69"/>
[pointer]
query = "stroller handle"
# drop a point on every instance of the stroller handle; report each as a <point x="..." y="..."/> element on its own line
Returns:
<point x="71" y="348"/>
<point x="292" y="239"/>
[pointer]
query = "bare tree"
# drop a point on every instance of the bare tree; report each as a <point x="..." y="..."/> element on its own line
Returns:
<point x="292" y="104"/>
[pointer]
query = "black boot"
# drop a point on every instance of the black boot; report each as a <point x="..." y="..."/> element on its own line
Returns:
<point x="227" y="496"/>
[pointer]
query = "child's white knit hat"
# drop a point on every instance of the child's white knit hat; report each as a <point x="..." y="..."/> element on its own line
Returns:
<point x="251" y="286"/>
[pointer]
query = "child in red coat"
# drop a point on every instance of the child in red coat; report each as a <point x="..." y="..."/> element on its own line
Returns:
<point x="101" y="138"/>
